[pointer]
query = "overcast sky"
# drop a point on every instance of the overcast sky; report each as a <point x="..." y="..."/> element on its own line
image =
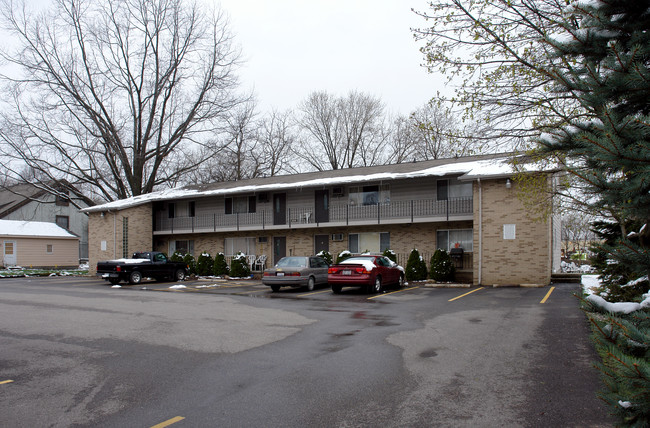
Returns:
<point x="294" y="47"/>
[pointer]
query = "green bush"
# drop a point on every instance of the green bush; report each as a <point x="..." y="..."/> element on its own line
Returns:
<point x="390" y="254"/>
<point x="416" y="267"/>
<point x="239" y="266"/>
<point x="326" y="256"/>
<point x="188" y="259"/>
<point x="205" y="265"/>
<point x="442" y="268"/>
<point x="176" y="257"/>
<point x="220" y="267"/>
<point x="342" y="256"/>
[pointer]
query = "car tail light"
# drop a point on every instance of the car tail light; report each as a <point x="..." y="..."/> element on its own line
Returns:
<point x="118" y="268"/>
<point x="268" y="274"/>
<point x="331" y="270"/>
<point x="362" y="271"/>
<point x="292" y="274"/>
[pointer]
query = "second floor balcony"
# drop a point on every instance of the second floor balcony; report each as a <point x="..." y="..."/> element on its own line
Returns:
<point x="321" y="215"/>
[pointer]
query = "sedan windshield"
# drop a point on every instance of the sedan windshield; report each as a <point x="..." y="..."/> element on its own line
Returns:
<point x="293" y="262"/>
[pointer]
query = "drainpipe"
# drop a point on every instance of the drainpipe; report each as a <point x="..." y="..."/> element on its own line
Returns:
<point x="114" y="235"/>
<point x="480" y="231"/>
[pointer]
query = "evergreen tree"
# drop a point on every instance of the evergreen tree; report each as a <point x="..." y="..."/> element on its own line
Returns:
<point x="416" y="267"/>
<point x="239" y="266"/>
<point x="204" y="264"/>
<point x="326" y="255"/>
<point x="189" y="260"/>
<point x="220" y="267"/>
<point x="390" y="254"/>
<point x="342" y="256"/>
<point x="442" y="268"/>
<point x="606" y="68"/>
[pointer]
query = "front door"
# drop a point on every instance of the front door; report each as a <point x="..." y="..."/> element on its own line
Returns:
<point x="279" y="248"/>
<point x="321" y="243"/>
<point x="322" y="206"/>
<point x="9" y="253"/>
<point x="280" y="208"/>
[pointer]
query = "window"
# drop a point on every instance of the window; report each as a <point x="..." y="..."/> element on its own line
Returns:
<point x="239" y="245"/>
<point x="63" y="221"/>
<point x="370" y="195"/>
<point x="240" y="205"/>
<point x="453" y="189"/>
<point x="183" y="247"/>
<point x="49" y="248"/>
<point x="372" y="242"/>
<point x="509" y="231"/>
<point x="455" y="238"/>
<point x="125" y="237"/>
<point x="61" y="200"/>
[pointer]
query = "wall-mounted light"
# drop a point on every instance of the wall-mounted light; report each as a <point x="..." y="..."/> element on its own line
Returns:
<point x="508" y="183"/>
<point x="103" y="214"/>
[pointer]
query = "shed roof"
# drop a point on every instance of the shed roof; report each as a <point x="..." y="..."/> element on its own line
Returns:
<point x="33" y="229"/>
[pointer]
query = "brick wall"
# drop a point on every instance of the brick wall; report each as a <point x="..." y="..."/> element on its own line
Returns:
<point x="106" y="238"/>
<point x="523" y="260"/>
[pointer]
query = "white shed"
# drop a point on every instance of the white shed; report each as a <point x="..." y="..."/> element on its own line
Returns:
<point x="37" y="244"/>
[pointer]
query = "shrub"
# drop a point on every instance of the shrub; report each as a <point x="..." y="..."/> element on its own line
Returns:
<point x="416" y="268"/>
<point x="342" y="256"/>
<point x="176" y="257"/>
<point x="220" y="267"/>
<point x="188" y="259"/>
<point x="204" y="264"/>
<point x="239" y="266"/>
<point x="442" y="268"/>
<point x="326" y="256"/>
<point x="390" y="254"/>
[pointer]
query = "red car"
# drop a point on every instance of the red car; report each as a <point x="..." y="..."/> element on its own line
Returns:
<point x="371" y="272"/>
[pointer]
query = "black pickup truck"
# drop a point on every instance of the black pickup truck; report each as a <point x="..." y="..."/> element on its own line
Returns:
<point x="150" y="264"/>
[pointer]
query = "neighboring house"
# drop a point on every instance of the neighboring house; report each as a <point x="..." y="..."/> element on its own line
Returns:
<point x="38" y="244"/>
<point x="468" y="205"/>
<point x="31" y="202"/>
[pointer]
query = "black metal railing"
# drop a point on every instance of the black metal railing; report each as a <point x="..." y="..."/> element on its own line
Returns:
<point x="406" y="211"/>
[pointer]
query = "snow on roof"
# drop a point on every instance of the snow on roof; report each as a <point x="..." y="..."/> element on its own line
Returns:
<point x="33" y="229"/>
<point x="470" y="169"/>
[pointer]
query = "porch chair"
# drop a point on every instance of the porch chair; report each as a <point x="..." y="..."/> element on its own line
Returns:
<point x="260" y="263"/>
<point x="251" y="260"/>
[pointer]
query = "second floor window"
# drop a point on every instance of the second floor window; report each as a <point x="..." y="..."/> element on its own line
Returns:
<point x="62" y="200"/>
<point x="240" y="205"/>
<point x="453" y="189"/>
<point x="370" y="195"/>
<point x="63" y="221"/>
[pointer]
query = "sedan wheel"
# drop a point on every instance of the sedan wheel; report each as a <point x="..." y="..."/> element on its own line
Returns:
<point x="311" y="283"/>
<point x="336" y="289"/>
<point x="401" y="281"/>
<point x="376" y="287"/>
<point x="135" y="277"/>
<point x="275" y="288"/>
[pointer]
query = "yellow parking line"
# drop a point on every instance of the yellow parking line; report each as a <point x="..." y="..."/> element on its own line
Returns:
<point x="251" y="291"/>
<point x="315" y="292"/>
<point x="463" y="295"/>
<point x="168" y="422"/>
<point x="547" y="295"/>
<point x="392" y="292"/>
<point x="6" y="381"/>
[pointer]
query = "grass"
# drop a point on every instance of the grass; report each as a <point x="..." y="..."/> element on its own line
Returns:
<point x="19" y="272"/>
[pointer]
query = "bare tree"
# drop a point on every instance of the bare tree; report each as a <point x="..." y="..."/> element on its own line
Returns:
<point x="276" y="140"/>
<point x="341" y="132"/>
<point x="118" y="95"/>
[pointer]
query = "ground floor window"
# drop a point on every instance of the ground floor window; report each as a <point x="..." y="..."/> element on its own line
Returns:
<point x="183" y="247"/>
<point x="239" y="245"/>
<point x="369" y="242"/>
<point x="455" y="238"/>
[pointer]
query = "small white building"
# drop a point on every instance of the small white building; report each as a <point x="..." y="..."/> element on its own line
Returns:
<point x="37" y="244"/>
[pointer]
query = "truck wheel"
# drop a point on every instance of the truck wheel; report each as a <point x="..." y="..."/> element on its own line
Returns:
<point x="179" y="275"/>
<point x="311" y="283"/>
<point x="135" y="277"/>
<point x="114" y="281"/>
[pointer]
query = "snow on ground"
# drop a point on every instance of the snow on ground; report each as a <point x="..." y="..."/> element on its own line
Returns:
<point x="591" y="282"/>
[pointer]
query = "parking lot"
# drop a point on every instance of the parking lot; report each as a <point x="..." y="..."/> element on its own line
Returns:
<point x="232" y="353"/>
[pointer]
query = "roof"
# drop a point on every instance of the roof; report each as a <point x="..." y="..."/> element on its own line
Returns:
<point x="33" y="229"/>
<point x="14" y="197"/>
<point x="466" y="168"/>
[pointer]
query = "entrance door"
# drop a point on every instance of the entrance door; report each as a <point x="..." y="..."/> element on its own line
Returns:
<point x="279" y="248"/>
<point x="9" y="253"/>
<point x="280" y="208"/>
<point x="321" y="243"/>
<point x="322" y="205"/>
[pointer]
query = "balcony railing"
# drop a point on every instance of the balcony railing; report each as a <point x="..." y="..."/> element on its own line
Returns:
<point x="300" y="217"/>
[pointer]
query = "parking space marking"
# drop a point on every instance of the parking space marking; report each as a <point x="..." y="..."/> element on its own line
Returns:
<point x="315" y="292"/>
<point x="251" y="291"/>
<point x="168" y="422"/>
<point x="547" y="295"/>
<point x="392" y="292"/>
<point x="6" y="381"/>
<point x="463" y="295"/>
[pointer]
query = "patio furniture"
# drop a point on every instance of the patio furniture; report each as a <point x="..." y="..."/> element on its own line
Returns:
<point x="260" y="263"/>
